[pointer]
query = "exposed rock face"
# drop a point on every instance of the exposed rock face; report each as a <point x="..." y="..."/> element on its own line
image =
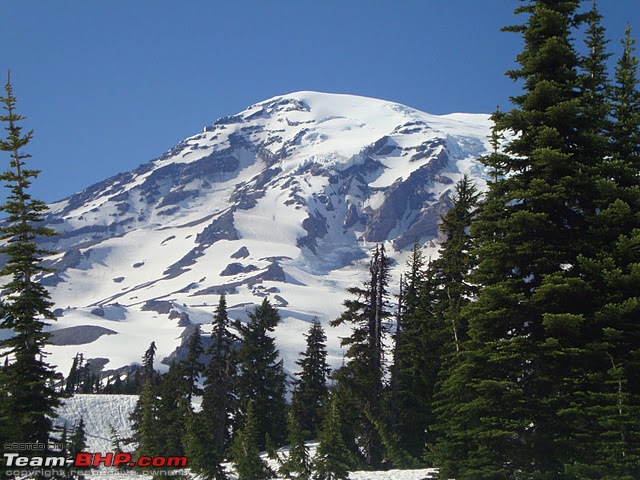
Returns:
<point x="242" y="253"/>
<point x="427" y="224"/>
<point x="403" y="197"/>
<point x="316" y="226"/>
<point x="159" y="306"/>
<point x="274" y="273"/>
<point x="221" y="228"/>
<point x="80" y="335"/>
<point x="236" y="268"/>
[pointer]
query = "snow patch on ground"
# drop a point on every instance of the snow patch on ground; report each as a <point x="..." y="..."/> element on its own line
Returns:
<point x="103" y="414"/>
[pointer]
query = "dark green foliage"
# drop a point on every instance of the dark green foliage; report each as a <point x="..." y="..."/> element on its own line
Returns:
<point x="147" y="430"/>
<point x="332" y="459"/>
<point x="625" y="131"/>
<point x="192" y="366"/>
<point x="362" y="377"/>
<point x="116" y="440"/>
<point x="311" y="388"/>
<point x="81" y="379"/>
<point x="245" y="452"/>
<point x="161" y="415"/>
<point x="432" y="328"/>
<point x="455" y="262"/>
<point x="78" y="439"/>
<point x="261" y="378"/>
<point x="297" y="464"/>
<point x="147" y="401"/>
<point x="208" y="430"/>
<point x="174" y="408"/>
<point x="513" y="377"/>
<point x="148" y="372"/>
<point x="27" y="394"/>
<point x="595" y="91"/>
<point x="205" y="458"/>
<point x="72" y="379"/>
<point x="610" y="403"/>
<point x="408" y="414"/>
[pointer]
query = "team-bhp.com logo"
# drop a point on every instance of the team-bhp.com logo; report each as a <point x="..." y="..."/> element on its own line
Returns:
<point x="85" y="459"/>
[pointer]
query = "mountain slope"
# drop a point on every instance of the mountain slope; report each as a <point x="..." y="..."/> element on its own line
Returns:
<point x="283" y="200"/>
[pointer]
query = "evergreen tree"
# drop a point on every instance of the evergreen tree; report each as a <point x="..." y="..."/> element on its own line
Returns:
<point x="148" y="372"/>
<point x="362" y="376"/>
<point x="192" y="365"/>
<point x="147" y="400"/>
<point x="432" y="327"/>
<point x="64" y="439"/>
<point x="261" y="377"/>
<point x="74" y="375"/>
<point x="147" y="431"/>
<point x="78" y="439"/>
<point x="205" y="457"/>
<point x="610" y="430"/>
<point x="116" y="441"/>
<point x="515" y="374"/>
<point x="596" y="107"/>
<point x="625" y="131"/>
<point x="456" y="261"/>
<point x="407" y="398"/>
<point x="174" y="408"/>
<point x="297" y="465"/>
<point x="245" y="452"/>
<point x="208" y="431"/>
<point x="332" y="459"/>
<point x="311" y="388"/>
<point x="29" y="397"/>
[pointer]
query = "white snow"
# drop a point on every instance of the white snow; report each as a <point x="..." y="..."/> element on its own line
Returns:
<point x="331" y="131"/>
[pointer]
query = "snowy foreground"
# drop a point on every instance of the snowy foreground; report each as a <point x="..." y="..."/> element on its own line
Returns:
<point x="104" y="414"/>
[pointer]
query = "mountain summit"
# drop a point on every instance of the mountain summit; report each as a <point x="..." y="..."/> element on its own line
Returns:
<point x="284" y="199"/>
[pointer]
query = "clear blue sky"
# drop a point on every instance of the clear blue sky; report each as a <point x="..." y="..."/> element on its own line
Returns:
<point x="110" y="85"/>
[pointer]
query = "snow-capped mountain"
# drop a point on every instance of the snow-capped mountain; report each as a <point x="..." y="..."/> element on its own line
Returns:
<point x="284" y="200"/>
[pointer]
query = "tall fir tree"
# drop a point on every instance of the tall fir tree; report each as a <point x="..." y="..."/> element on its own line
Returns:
<point x="261" y="377"/>
<point x="514" y="376"/>
<point x="147" y="435"/>
<point x="29" y="397"/>
<point x="456" y="260"/>
<point x="595" y="89"/>
<point x="311" y="388"/>
<point x="148" y="370"/>
<point x="625" y="132"/>
<point x="297" y="465"/>
<point x="164" y="413"/>
<point x="433" y="327"/>
<point x="406" y="409"/>
<point x="610" y="432"/>
<point x="78" y="439"/>
<point x="209" y="430"/>
<point x="363" y="375"/>
<point x="332" y="459"/>
<point x="245" y="452"/>
<point x="73" y="379"/>
<point x="143" y="416"/>
<point x="192" y="366"/>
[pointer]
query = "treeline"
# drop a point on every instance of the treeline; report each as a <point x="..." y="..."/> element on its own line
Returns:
<point x="84" y="378"/>
<point x="243" y="411"/>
